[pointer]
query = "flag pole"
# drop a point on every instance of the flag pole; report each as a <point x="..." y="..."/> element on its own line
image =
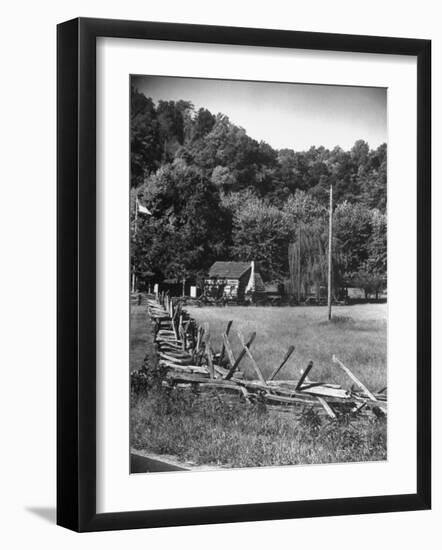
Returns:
<point x="330" y="237"/>
<point x="135" y="232"/>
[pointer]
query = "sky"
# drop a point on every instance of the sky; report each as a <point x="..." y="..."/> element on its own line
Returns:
<point x="294" y="116"/>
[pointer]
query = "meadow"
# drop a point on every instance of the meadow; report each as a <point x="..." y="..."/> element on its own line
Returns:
<point x="207" y="430"/>
<point x="357" y="335"/>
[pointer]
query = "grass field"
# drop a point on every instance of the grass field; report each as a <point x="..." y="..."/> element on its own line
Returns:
<point x="357" y="335"/>
<point x="140" y="336"/>
<point x="205" y="429"/>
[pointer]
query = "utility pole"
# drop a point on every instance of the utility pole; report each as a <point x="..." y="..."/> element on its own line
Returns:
<point x="298" y="275"/>
<point x="330" y="237"/>
<point x="135" y="233"/>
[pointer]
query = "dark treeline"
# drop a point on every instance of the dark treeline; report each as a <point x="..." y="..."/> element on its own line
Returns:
<point x="217" y="194"/>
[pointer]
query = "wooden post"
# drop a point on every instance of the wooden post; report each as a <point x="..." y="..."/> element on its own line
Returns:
<point x="133" y="280"/>
<point x="221" y="355"/>
<point x="228" y="349"/>
<point x="298" y="275"/>
<point x="354" y="378"/>
<point x="250" y="356"/>
<point x="235" y="364"/>
<point x="330" y="237"/>
<point x="181" y="334"/>
<point x="284" y="361"/>
<point x="199" y="338"/>
<point x="358" y="382"/>
<point x="209" y="357"/>
<point x="327" y="407"/>
<point x="304" y="375"/>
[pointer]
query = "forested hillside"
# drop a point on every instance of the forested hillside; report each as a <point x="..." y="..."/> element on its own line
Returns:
<point x="217" y="194"/>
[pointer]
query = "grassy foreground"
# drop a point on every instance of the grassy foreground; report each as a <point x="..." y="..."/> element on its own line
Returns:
<point x="204" y="429"/>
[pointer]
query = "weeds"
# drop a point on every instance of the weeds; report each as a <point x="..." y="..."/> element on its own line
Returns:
<point x="210" y="429"/>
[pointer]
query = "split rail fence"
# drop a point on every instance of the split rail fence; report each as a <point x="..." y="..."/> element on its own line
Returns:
<point x="187" y="359"/>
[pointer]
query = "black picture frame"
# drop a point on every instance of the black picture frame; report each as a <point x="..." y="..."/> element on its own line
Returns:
<point x="76" y="274"/>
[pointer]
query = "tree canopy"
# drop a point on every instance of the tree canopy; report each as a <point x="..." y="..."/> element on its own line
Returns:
<point x="215" y="193"/>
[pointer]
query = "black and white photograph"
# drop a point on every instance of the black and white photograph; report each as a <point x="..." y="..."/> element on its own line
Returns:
<point x="219" y="249"/>
<point x="258" y="300"/>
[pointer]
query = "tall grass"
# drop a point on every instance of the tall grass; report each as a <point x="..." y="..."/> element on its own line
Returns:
<point x="209" y="430"/>
<point x="141" y="337"/>
<point x="357" y="335"/>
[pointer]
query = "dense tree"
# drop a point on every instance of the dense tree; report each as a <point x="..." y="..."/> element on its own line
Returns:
<point x="362" y="238"/>
<point x="260" y="232"/>
<point x="377" y="245"/>
<point x="189" y="228"/>
<point x="202" y="125"/>
<point x="372" y="274"/>
<point x="144" y="136"/>
<point x="216" y="193"/>
<point x="359" y="246"/>
<point x="224" y="178"/>
<point x="171" y="117"/>
<point x="352" y="223"/>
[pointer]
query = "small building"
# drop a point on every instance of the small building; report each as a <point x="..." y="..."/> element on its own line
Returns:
<point x="233" y="281"/>
<point x="355" y="293"/>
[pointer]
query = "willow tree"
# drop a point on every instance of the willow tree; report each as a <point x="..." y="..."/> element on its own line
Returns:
<point x="308" y="258"/>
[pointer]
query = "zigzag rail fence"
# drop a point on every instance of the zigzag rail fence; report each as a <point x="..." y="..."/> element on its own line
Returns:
<point x="186" y="360"/>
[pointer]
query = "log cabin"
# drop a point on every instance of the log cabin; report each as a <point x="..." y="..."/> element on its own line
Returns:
<point x="234" y="281"/>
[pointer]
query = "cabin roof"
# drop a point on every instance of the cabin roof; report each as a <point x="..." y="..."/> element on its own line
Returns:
<point x="229" y="270"/>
